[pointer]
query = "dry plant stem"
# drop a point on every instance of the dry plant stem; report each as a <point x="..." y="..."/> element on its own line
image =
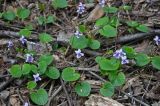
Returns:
<point x="141" y="102"/>
<point x="66" y="92"/>
<point x="50" y="93"/>
<point x="20" y="97"/>
<point x="87" y="69"/>
<point x="5" y="84"/>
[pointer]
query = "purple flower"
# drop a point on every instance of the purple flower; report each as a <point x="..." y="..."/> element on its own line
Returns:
<point x="81" y="8"/>
<point x="77" y="34"/>
<point x="26" y="104"/>
<point x="79" y="54"/>
<point x="36" y="77"/>
<point x="29" y="58"/>
<point x="23" y="40"/>
<point x="102" y="3"/>
<point x="157" y="40"/>
<point x="10" y="44"/>
<point x="124" y="60"/>
<point x="119" y="53"/>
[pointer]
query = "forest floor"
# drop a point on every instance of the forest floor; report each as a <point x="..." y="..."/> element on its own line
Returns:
<point x="142" y="85"/>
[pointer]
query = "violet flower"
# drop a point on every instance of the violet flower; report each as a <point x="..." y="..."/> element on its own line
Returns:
<point x="124" y="60"/>
<point x="26" y="104"/>
<point x="36" y="77"/>
<point x="79" y="54"/>
<point x="10" y="44"/>
<point x="102" y="3"/>
<point x="23" y="40"/>
<point x="157" y="40"/>
<point x="81" y="8"/>
<point x="29" y="58"/>
<point x="78" y="34"/>
<point x="119" y="53"/>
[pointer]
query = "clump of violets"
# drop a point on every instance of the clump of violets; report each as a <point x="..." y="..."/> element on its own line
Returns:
<point x="29" y="58"/>
<point x="102" y="3"/>
<point x="37" y="77"/>
<point x="81" y="8"/>
<point x="23" y="40"/>
<point x="10" y="44"/>
<point x="78" y="34"/>
<point x="157" y="40"/>
<point x="79" y="54"/>
<point x="120" y="54"/>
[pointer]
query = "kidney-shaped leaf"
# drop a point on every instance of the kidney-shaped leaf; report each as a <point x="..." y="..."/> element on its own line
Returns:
<point x="156" y="62"/>
<point x="107" y="89"/>
<point x="53" y="73"/>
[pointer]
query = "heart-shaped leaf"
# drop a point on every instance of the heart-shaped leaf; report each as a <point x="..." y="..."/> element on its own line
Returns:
<point x="107" y="89"/>
<point x="16" y="71"/>
<point x="142" y="59"/>
<point x="40" y="97"/>
<point x="42" y="66"/>
<point x="108" y="31"/>
<point x="156" y="62"/>
<point x="31" y="85"/>
<point x="83" y="89"/>
<point x="47" y="58"/>
<point x="26" y="68"/>
<point x="69" y="74"/>
<point x="94" y="44"/>
<point x="78" y="43"/>
<point x="45" y="38"/>
<point x="109" y="65"/>
<point x="53" y="73"/>
<point x="23" y="13"/>
<point x="143" y="28"/>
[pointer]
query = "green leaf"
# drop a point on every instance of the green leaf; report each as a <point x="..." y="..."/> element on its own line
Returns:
<point x="156" y="62"/>
<point x="9" y="15"/>
<point x="34" y="68"/>
<point x="25" y="32"/>
<point x="109" y="65"/>
<point x="59" y="3"/>
<point x="94" y="44"/>
<point x="47" y="58"/>
<point x="41" y="20"/>
<point x="132" y="23"/>
<point x="83" y="89"/>
<point x="40" y="97"/>
<point x="130" y="52"/>
<point x="125" y="7"/>
<point x="31" y="85"/>
<point x="110" y="9"/>
<point x="16" y="71"/>
<point x="99" y="58"/>
<point x="107" y="89"/>
<point x="26" y="68"/>
<point x="23" y="13"/>
<point x="53" y="73"/>
<point x="143" y="28"/>
<point x="82" y="28"/>
<point x="117" y="79"/>
<point x="102" y="21"/>
<point x="78" y="43"/>
<point x="42" y="66"/>
<point x="108" y="31"/>
<point x="142" y="59"/>
<point x="114" y="21"/>
<point x="69" y="74"/>
<point x="45" y="38"/>
<point x="50" y="19"/>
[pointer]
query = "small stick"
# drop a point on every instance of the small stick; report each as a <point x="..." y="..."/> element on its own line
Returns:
<point x="66" y="92"/>
<point x="5" y="84"/>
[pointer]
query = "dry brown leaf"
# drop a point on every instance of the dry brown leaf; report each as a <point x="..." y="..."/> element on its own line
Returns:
<point x="95" y="14"/>
<point x="97" y="100"/>
<point x="14" y="101"/>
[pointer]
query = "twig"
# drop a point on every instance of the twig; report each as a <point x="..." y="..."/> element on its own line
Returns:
<point x="3" y="85"/>
<point x="87" y="69"/>
<point x="49" y="93"/>
<point x="141" y="102"/>
<point x="54" y="94"/>
<point x="20" y="97"/>
<point x="66" y="92"/>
